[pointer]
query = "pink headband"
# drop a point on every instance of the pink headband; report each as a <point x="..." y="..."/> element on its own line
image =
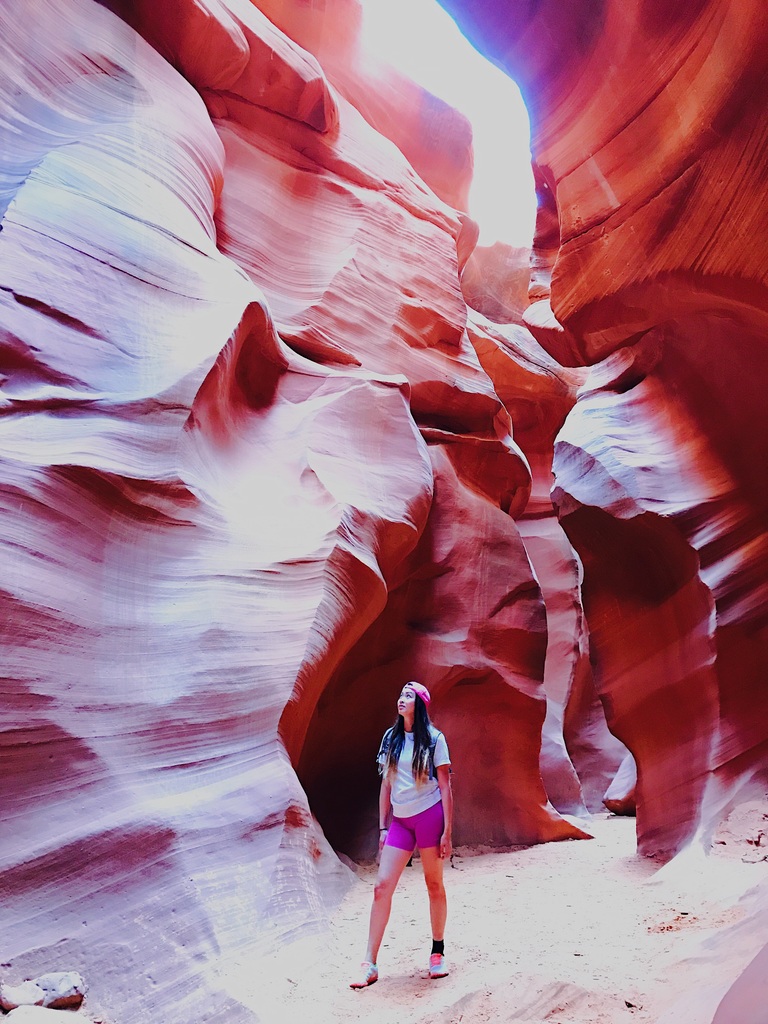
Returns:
<point x="422" y="691"/>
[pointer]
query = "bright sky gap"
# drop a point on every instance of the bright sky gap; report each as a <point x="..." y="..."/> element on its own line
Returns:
<point x="423" y="42"/>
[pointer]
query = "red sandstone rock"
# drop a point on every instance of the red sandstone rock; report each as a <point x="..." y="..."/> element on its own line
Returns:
<point x="650" y="240"/>
<point x="539" y="394"/>
<point x="230" y="46"/>
<point x="448" y="620"/>
<point x="245" y="430"/>
<point x="258" y="465"/>
<point x="435" y="138"/>
<point x="669" y="588"/>
<point x="495" y="281"/>
<point x="620" y="796"/>
<point x="651" y="163"/>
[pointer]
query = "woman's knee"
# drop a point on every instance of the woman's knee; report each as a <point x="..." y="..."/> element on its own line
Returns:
<point x="384" y="888"/>
<point x="435" y="888"/>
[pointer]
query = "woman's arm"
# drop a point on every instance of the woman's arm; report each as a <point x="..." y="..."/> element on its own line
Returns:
<point x="385" y="805"/>
<point x="446" y="795"/>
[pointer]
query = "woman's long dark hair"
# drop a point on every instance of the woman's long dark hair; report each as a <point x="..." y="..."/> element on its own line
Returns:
<point x="421" y="741"/>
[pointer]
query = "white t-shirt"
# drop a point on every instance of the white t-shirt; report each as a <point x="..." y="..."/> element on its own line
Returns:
<point x="410" y="796"/>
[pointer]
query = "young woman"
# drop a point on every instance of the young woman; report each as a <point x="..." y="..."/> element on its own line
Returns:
<point x="416" y="786"/>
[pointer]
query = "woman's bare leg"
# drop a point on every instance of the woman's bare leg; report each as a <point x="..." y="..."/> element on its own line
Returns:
<point x="391" y="867"/>
<point x="433" y="876"/>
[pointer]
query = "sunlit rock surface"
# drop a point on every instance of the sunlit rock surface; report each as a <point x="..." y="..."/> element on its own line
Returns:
<point x="256" y="473"/>
<point x="261" y="465"/>
<point x="650" y="265"/>
<point x="495" y="281"/>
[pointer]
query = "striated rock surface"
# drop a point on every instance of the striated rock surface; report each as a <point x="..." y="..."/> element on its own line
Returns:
<point x="579" y="755"/>
<point x="649" y="264"/>
<point x="260" y="465"/>
<point x="255" y="474"/>
<point x="435" y="138"/>
<point x="495" y="281"/>
<point x="655" y="166"/>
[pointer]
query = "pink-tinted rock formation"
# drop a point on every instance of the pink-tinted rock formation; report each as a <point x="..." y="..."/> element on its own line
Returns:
<point x="539" y="394"/>
<point x="495" y="282"/>
<point x="256" y="473"/>
<point x="260" y="466"/>
<point x="650" y="263"/>
<point x="651" y="256"/>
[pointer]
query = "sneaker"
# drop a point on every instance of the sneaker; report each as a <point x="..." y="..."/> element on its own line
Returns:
<point x="369" y="973"/>
<point x="437" y="968"/>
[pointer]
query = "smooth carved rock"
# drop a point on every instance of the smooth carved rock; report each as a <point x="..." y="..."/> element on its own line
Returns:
<point x="650" y="165"/>
<point x="435" y="139"/>
<point x="620" y="796"/>
<point x="669" y="548"/>
<point x="579" y="755"/>
<point x="246" y="432"/>
<point x="648" y="263"/>
<point x="495" y="282"/>
<point x="260" y="467"/>
<point x="116" y="306"/>
<point x="230" y="46"/>
<point x="448" y="614"/>
<point x="271" y="56"/>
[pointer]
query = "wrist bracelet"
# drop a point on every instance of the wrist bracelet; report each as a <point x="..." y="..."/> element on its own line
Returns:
<point x="384" y="829"/>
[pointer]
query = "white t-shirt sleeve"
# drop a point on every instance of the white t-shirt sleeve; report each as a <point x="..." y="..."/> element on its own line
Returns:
<point x="441" y="752"/>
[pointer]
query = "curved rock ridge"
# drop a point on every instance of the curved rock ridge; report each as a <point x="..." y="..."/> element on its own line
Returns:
<point x="579" y="755"/>
<point x="435" y="138"/>
<point x="656" y="165"/>
<point x="648" y="263"/>
<point x="230" y="46"/>
<point x="261" y="465"/>
<point x="258" y="469"/>
<point x="268" y="56"/>
<point x="633" y="469"/>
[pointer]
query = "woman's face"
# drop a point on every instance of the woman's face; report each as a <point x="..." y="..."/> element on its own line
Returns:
<point x="406" y="701"/>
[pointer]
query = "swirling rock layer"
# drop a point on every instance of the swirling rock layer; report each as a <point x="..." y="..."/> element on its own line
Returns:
<point x="650" y="265"/>
<point x="257" y="472"/>
<point x="259" y="468"/>
<point x="650" y="255"/>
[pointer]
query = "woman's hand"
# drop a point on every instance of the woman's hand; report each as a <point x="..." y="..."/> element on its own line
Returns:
<point x="446" y="847"/>
<point x="446" y="796"/>
<point x="382" y="838"/>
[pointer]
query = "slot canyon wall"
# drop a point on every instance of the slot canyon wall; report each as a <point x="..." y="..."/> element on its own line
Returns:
<point x="278" y="436"/>
<point x="651" y="267"/>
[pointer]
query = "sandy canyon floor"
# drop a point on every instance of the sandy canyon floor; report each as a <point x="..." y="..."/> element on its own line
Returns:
<point x="578" y="932"/>
<point x="565" y="933"/>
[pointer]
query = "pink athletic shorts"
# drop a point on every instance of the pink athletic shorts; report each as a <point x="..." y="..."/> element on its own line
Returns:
<point x="423" y="830"/>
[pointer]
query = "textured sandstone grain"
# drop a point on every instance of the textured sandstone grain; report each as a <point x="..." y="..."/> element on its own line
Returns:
<point x="245" y="426"/>
<point x="649" y="263"/>
<point x="260" y="465"/>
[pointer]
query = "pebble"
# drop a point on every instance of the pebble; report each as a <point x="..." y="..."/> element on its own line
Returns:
<point x="25" y="994"/>
<point x="56" y="991"/>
